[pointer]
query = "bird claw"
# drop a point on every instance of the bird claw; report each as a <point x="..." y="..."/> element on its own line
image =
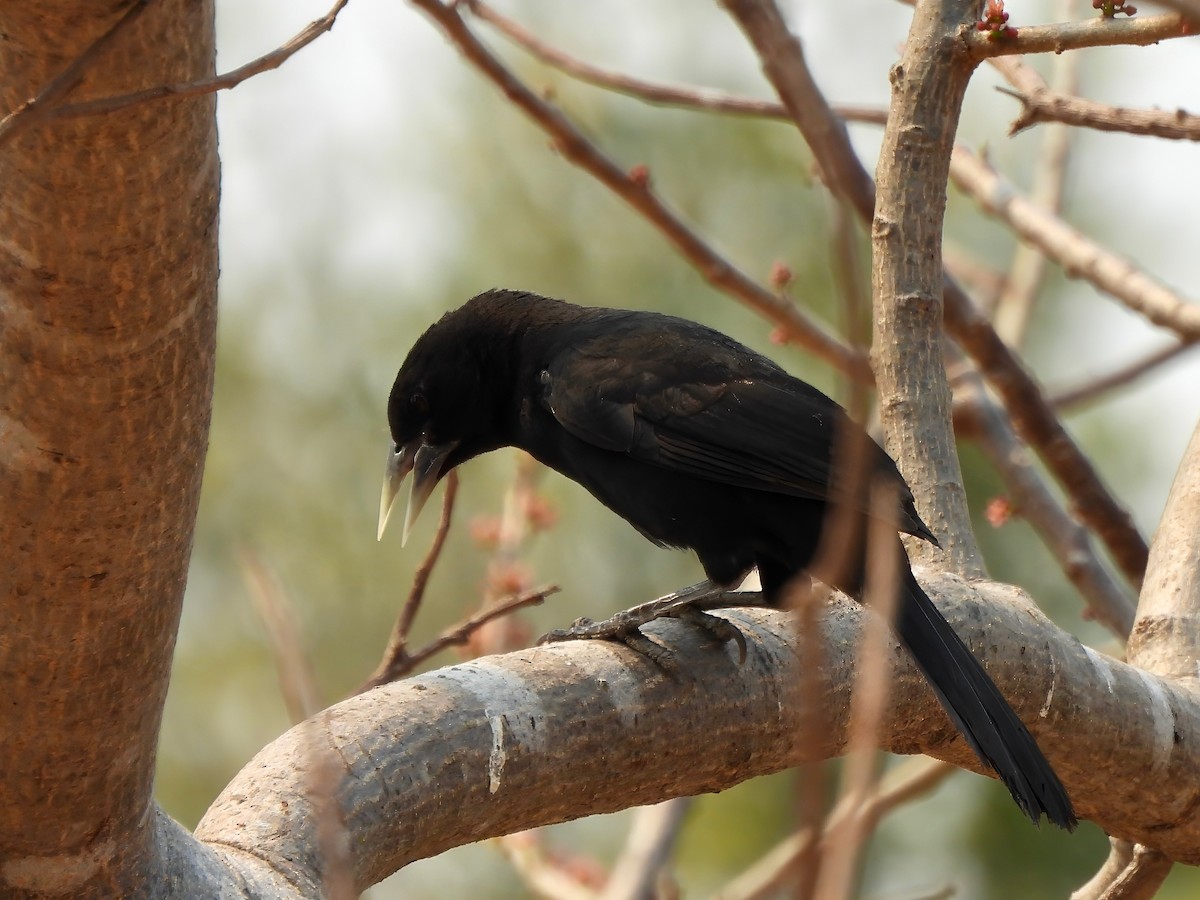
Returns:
<point x="686" y="605"/>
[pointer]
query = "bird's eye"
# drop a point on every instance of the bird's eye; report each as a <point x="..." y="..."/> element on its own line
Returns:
<point x="418" y="405"/>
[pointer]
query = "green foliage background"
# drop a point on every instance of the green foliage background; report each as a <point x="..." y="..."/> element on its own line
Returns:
<point x="373" y="183"/>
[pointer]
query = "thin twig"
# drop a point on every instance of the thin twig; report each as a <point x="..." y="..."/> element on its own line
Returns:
<point x="1078" y="255"/>
<point x="325" y="768"/>
<point x="458" y="634"/>
<point x="574" y="146"/>
<point x="1055" y="107"/>
<point x="224" y="81"/>
<point x="654" y="93"/>
<point x="1069" y="398"/>
<point x="39" y="107"/>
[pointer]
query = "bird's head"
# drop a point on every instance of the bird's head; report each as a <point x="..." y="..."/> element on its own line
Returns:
<point x="443" y="409"/>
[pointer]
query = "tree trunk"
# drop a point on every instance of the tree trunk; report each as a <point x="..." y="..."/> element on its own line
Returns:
<point x="108" y="269"/>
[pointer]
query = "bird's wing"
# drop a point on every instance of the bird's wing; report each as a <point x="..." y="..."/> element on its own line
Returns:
<point x="764" y="431"/>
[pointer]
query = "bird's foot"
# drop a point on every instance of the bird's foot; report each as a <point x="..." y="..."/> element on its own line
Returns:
<point x="688" y="604"/>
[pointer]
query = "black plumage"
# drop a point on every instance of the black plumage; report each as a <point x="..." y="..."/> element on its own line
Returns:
<point x="698" y="442"/>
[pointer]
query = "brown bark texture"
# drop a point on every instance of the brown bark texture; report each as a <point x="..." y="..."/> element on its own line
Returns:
<point x="108" y="243"/>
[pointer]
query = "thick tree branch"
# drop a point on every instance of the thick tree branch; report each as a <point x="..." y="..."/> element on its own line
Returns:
<point x="1166" y="634"/>
<point x="928" y="85"/>
<point x="506" y="743"/>
<point x="108" y="271"/>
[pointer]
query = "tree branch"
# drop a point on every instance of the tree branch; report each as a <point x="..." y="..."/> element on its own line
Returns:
<point x="36" y="108"/>
<point x="510" y="742"/>
<point x="267" y="62"/>
<point x="1038" y="425"/>
<point x="1166" y="634"/>
<point x="108" y="316"/>
<point x="1079" y="256"/>
<point x="1050" y="106"/>
<point x="928" y="85"/>
<point x="1064" y="36"/>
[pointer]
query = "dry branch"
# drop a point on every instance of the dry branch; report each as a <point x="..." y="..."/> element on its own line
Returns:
<point x="1050" y="106"/>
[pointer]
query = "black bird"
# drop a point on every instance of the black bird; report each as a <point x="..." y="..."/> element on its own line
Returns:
<point x="696" y="441"/>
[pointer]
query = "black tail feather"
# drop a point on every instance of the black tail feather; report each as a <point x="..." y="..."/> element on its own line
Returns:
<point x="978" y="709"/>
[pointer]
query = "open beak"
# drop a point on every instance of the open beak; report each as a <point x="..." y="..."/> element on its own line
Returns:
<point x="425" y="461"/>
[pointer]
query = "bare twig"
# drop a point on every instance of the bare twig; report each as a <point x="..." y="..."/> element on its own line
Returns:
<point x="1065" y="538"/>
<point x="224" y="81"/>
<point x="457" y="635"/>
<point x="1063" y="36"/>
<point x="647" y="850"/>
<point x="1052" y="106"/>
<point x="395" y="661"/>
<point x="911" y="779"/>
<point x="652" y="92"/>
<point x="1068" y="398"/>
<point x="1027" y="271"/>
<point x="1079" y="256"/>
<point x="296" y="680"/>
<point x="636" y="191"/>
<point x="39" y="107"/>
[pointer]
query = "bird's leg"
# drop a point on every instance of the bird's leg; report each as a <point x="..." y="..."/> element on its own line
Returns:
<point x="688" y="604"/>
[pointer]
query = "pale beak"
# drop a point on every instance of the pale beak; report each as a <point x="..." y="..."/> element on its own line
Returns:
<point x="425" y="461"/>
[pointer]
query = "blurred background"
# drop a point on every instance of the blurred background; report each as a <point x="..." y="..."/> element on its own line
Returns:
<point x="375" y="181"/>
